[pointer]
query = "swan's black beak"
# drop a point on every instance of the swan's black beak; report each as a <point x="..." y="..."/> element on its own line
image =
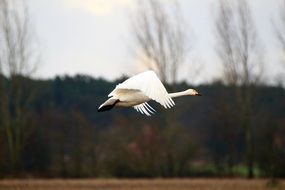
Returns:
<point x="198" y="94"/>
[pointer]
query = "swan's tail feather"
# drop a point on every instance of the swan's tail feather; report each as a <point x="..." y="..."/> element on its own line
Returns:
<point x="109" y="104"/>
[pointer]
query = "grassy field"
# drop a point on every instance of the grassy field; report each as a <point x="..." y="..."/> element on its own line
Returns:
<point x="141" y="184"/>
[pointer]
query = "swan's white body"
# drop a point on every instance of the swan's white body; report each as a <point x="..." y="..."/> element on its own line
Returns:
<point x="138" y="90"/>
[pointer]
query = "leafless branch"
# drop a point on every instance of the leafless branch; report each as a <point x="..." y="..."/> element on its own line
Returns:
<point x="160" y="37"/>
<point x="238" y="46"/>
<point x="19" y="55"/>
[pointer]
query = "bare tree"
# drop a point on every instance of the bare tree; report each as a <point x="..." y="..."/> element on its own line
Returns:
<point x="18" y="58"/>
<point x="160" y="36"/>
<point x="239" y="52"/>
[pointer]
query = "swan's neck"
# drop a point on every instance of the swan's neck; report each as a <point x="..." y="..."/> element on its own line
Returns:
<point x="178" y="94"/>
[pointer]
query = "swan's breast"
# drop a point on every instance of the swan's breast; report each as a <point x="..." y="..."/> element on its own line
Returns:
<point x="129" y="98"/>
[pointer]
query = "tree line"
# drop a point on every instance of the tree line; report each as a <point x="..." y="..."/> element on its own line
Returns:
<point x="65" y="136"/>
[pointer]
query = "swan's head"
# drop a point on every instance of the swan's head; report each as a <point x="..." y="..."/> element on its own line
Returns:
<point x="193" y="92"/>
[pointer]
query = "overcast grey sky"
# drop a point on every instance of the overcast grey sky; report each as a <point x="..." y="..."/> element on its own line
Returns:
<point x="93" y="37"/>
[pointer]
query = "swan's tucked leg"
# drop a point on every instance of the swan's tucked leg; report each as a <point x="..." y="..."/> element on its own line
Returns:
<point x="109" y="104"/>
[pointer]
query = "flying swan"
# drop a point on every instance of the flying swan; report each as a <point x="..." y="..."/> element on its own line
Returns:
<point x="138" y="90"/>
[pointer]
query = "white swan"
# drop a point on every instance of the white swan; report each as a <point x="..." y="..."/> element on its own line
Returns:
<point x="138" y="90"/>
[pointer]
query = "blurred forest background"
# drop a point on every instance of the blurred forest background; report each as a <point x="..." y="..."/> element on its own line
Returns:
<point x="51" y="128"/>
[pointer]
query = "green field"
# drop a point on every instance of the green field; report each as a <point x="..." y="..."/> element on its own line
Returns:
<point x="138" y="184"/>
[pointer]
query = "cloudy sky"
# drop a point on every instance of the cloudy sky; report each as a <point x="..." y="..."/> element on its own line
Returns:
<point x="93" y="37"/>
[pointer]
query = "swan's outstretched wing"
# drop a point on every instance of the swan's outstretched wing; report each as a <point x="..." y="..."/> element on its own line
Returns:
<point x="145" y="108"/>
<point x="148" y="83"/>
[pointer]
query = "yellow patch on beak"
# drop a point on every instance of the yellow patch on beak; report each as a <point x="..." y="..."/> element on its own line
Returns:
<point x="198" y="94"/>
